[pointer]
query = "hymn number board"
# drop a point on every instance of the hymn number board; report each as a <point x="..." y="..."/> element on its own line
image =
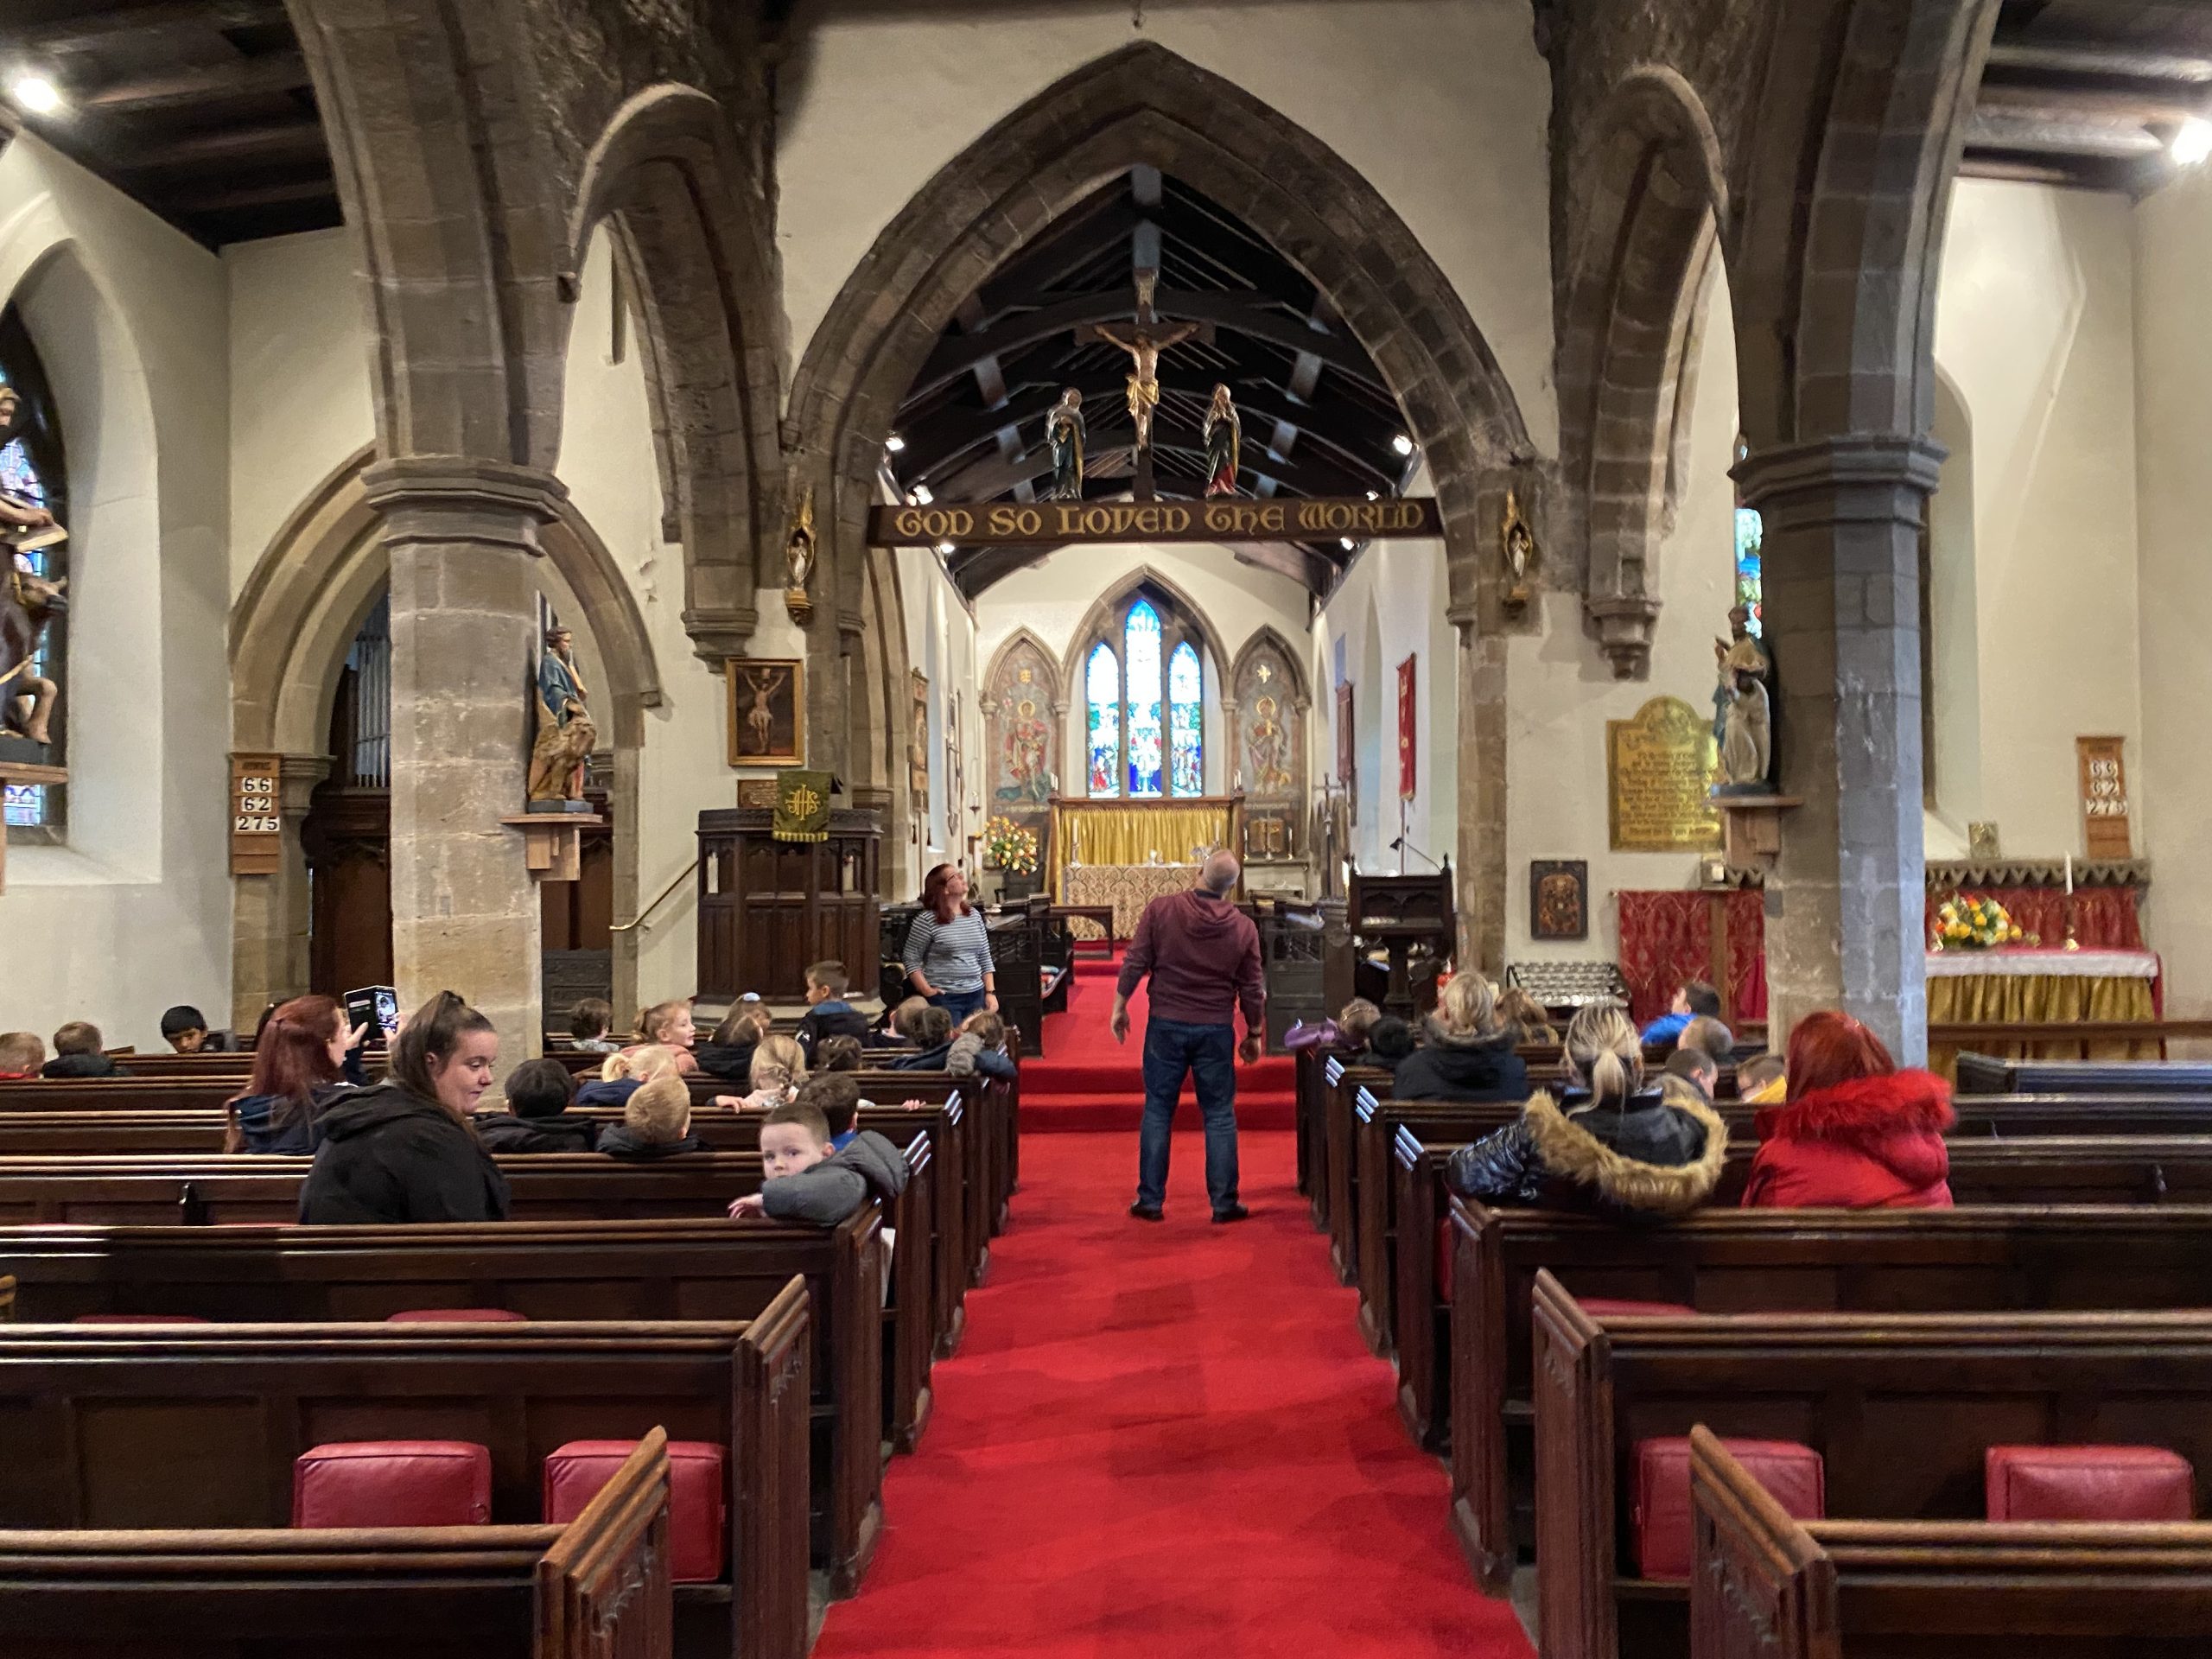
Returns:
<point x="257" y="821"/>
<point x="2103" y="798"/>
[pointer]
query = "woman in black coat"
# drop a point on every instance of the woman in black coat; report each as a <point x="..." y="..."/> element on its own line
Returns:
<point x="404" y="1150"/>
<point x="1465" y="1053"/>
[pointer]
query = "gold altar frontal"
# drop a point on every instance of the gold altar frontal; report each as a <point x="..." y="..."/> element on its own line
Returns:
<point x="1127" y="887"/>
<point x="2040" y="988"/>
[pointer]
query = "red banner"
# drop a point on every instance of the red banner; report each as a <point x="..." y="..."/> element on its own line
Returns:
<point x="1408" y="771"/>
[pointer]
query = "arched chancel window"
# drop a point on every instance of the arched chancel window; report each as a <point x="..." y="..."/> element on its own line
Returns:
<point x="32" y="472"/>
<point x="1144" y="697"/>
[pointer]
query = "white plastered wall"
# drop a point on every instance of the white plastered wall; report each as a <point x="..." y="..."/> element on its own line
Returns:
<point x="1442" y="107"/>
<point x="133" y="912"/>
<point x="941" y="642"/>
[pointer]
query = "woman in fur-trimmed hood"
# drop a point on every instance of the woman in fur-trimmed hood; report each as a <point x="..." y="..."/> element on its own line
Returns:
<point x="1618" y="1148"/>
<point x="1465" y="1053"/>
<point x="1856" y="1132"/>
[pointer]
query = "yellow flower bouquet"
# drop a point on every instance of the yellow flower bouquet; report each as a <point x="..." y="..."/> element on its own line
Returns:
<point x="1971" y="922"/>
<point x="1010" y="847"/>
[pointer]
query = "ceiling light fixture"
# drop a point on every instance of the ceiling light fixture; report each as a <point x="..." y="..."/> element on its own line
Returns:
<point x="895" y="443"/>
<point x="2192" y="142"/>
<point x="1373" y="496"/>
<point x="922" y="496"/>
<point x="1403" y="444"/>
<point x="1349" y="544"/>
<point x="945" y="548"/>
<point x="36" y="93"/>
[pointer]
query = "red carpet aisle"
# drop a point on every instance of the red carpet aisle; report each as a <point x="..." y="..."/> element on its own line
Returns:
<point x="1087" y="1080"/>
<point x="1161" y="1441"/>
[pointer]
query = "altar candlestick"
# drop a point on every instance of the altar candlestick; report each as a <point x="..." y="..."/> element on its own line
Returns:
<point x="2069" y="876"/>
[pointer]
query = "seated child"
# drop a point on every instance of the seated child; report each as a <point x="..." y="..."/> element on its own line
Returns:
<point x="980" y="1049"/>
<point x="1389" y="1040"/>
<point x="1355" y="1022"/>
<point x="589" y="1021"/>
<point x="1516" y="1008"/>
<point x="1760" y="1081"/>
<point x="1694" y="998"/>
<point x="536" y="1118"/>
<point x="728" y="1052"/>
<point x="22" y="1053"/>
<point x="828" y="1013"/>
<point x="839" y="1054"/>
<point x="668" y="1025"/>
<point x="77" y="1054"/>
<point x="1708" y="1034"/>
<point x="655" y="1122"/>
<point x="892" y="1032"/>
<point x="1691" y="1070"/>
<point x="837" y="1097"/>
<point x="810" y="1181"/>
<point x="929" y="1029"/>
<point x="185" y="1028"/>
<point x="622" y="1075"/>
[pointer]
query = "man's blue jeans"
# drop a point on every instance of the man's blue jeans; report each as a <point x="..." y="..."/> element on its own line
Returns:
<point x="1208" y="1053"/>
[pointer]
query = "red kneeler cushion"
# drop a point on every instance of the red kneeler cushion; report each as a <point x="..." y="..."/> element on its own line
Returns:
<point x="698" y="1498"/>
<point x="1659" y="1493"/>
<point x="2088" y="1483"/>
<point x="392" y="1484"/>
<point x="456" y="1316"/>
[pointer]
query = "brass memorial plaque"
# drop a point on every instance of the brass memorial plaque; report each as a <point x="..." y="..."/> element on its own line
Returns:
<point x="1659" y="772"/>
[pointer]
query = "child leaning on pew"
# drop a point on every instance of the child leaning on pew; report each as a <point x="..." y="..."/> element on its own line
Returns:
<point x="77" y="1053"/>
<point x="22" y="1053"/>
<point x="655" y="1122"/>
<point x="809" y="1180"/>
<point x="980" y="1049"/>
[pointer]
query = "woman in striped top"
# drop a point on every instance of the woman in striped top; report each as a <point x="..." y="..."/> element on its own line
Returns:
<point x="948" y="953"/>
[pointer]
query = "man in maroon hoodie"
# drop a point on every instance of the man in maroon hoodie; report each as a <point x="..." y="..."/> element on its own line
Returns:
<point x="1203" y="956"/>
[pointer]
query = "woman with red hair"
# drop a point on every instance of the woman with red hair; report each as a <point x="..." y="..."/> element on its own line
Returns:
<point x="1856" y="1132"/>
<point x="299" y="1064"/>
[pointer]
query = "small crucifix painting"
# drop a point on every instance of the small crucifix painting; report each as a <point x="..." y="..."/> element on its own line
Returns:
<point x="765" y="713"/>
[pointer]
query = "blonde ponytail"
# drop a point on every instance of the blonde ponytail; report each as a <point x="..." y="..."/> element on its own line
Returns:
<point x="1602" y="1049"/>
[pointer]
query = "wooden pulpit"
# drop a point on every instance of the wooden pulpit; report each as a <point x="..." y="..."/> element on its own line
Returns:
<point x="767" y="908"/>
<point x="1403" y="914"/>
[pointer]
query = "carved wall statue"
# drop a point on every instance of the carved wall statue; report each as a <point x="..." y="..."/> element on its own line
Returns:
<point x="566" y="732"/>
<point x="1268" y="710"/>
<point x="1023" y="720"/>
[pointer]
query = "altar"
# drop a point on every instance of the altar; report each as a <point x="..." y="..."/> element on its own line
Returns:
<point x="2040" y="987"/>
<point x="1126" y="853"/>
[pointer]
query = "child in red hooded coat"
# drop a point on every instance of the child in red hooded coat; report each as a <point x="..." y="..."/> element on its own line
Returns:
<point x="1856" y="1133"/>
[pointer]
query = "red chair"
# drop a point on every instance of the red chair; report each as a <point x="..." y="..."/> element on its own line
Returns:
<point x="2088" y="1483"/>
<point x="698" y="1498"/>
<point x="456" y="1316"/>
<point x="138" y="1319"/>
<point x="392" y="1484"/>
<point x="1659" y="1494"/>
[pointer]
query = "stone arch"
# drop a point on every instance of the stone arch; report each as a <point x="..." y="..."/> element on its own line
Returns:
<point x="665" y="177"/>
<point x="1275" y="811"/>
<point x="1660" y="192"/>
<point x="1267" y="634"/>
<point x="1006" y="647"/>
<point x="1213" y="657"/>
<point x="290" y="627"/>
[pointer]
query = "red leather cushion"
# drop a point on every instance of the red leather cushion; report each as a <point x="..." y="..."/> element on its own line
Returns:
<point x="1443" y="1259"/>
<point x="456" y="1315"/>
<point x="1607" y="1307"/>
<point x="2088" y="1483"/>
<point x="392" y="1484"/>
<point x="1659" y="1493"/>
<point x="697" y="1498"/>
<point x="138" y="1318"/>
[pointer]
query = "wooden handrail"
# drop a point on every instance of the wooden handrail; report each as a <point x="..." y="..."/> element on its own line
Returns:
<point x="639" y="921"/>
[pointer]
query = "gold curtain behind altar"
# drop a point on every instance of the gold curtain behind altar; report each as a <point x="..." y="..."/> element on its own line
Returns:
<point x="2038" y="1000"/>
<point x="1132" y="832"/>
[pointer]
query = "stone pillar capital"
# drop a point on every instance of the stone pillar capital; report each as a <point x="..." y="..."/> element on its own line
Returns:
<point x="1625" y="623"/>
<point x="1861" y="477"/>
<point x="463" y="500"/>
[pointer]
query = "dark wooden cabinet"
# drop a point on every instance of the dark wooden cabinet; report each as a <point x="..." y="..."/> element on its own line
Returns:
<point x="768" y="907"/>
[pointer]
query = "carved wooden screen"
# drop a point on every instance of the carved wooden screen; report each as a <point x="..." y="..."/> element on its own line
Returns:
<point x="1268" y="750"/>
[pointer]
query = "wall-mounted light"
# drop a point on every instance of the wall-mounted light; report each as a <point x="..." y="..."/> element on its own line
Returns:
<point x="1374" y="496"/>
<point x="945" y="548"/>
<point x="2192" y="142"/>
<point x="922" y="496"/>
<point x="895" y="443"/>
<point x="1350" y="545"/>
<point x="1403" y="444"/>
<point x="36" y="93"/>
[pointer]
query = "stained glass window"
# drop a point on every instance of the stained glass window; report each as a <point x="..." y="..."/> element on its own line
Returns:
<point x="1140" y="648"/>
<point x="1185" y="712"/>
<point x="1751" y="535"/>
<point x="31" y="475"/>
<point x="1102" y="691"/>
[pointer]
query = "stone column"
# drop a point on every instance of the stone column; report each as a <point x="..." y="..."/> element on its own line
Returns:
<point x="461" y="533"/>
<point x="1479" y="853"/>
<point x="272" y="915"/>
<point x="1843" y="903"/>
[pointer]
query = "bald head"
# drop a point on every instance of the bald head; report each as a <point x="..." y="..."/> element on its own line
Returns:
<point x="1221" y="873"/>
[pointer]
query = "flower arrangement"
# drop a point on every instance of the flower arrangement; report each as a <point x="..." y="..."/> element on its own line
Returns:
<point x="1968" y="922"/>
<point x="1010" y="847"/>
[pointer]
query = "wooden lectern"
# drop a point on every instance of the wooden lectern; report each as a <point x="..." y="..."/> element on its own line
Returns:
<point x="1399" y="913"/>
<point x="768" y="907"/>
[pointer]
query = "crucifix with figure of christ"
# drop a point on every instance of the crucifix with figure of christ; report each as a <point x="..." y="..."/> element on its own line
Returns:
<point x="1144" y="342"/>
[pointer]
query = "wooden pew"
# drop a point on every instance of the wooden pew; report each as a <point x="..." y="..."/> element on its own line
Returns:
<point x="1979" y="1074"/>
<point x="2054" y="1169"/>
<point x="185" y="1190"/>
<point x="1767" y="1585"/>
<point x="567" y="1270"/>
<point x="1729" y="1261"/>
<point x="117" y="1429"/>
<point x="598" y="1584"/>
<point x="1901" y="1407"/>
